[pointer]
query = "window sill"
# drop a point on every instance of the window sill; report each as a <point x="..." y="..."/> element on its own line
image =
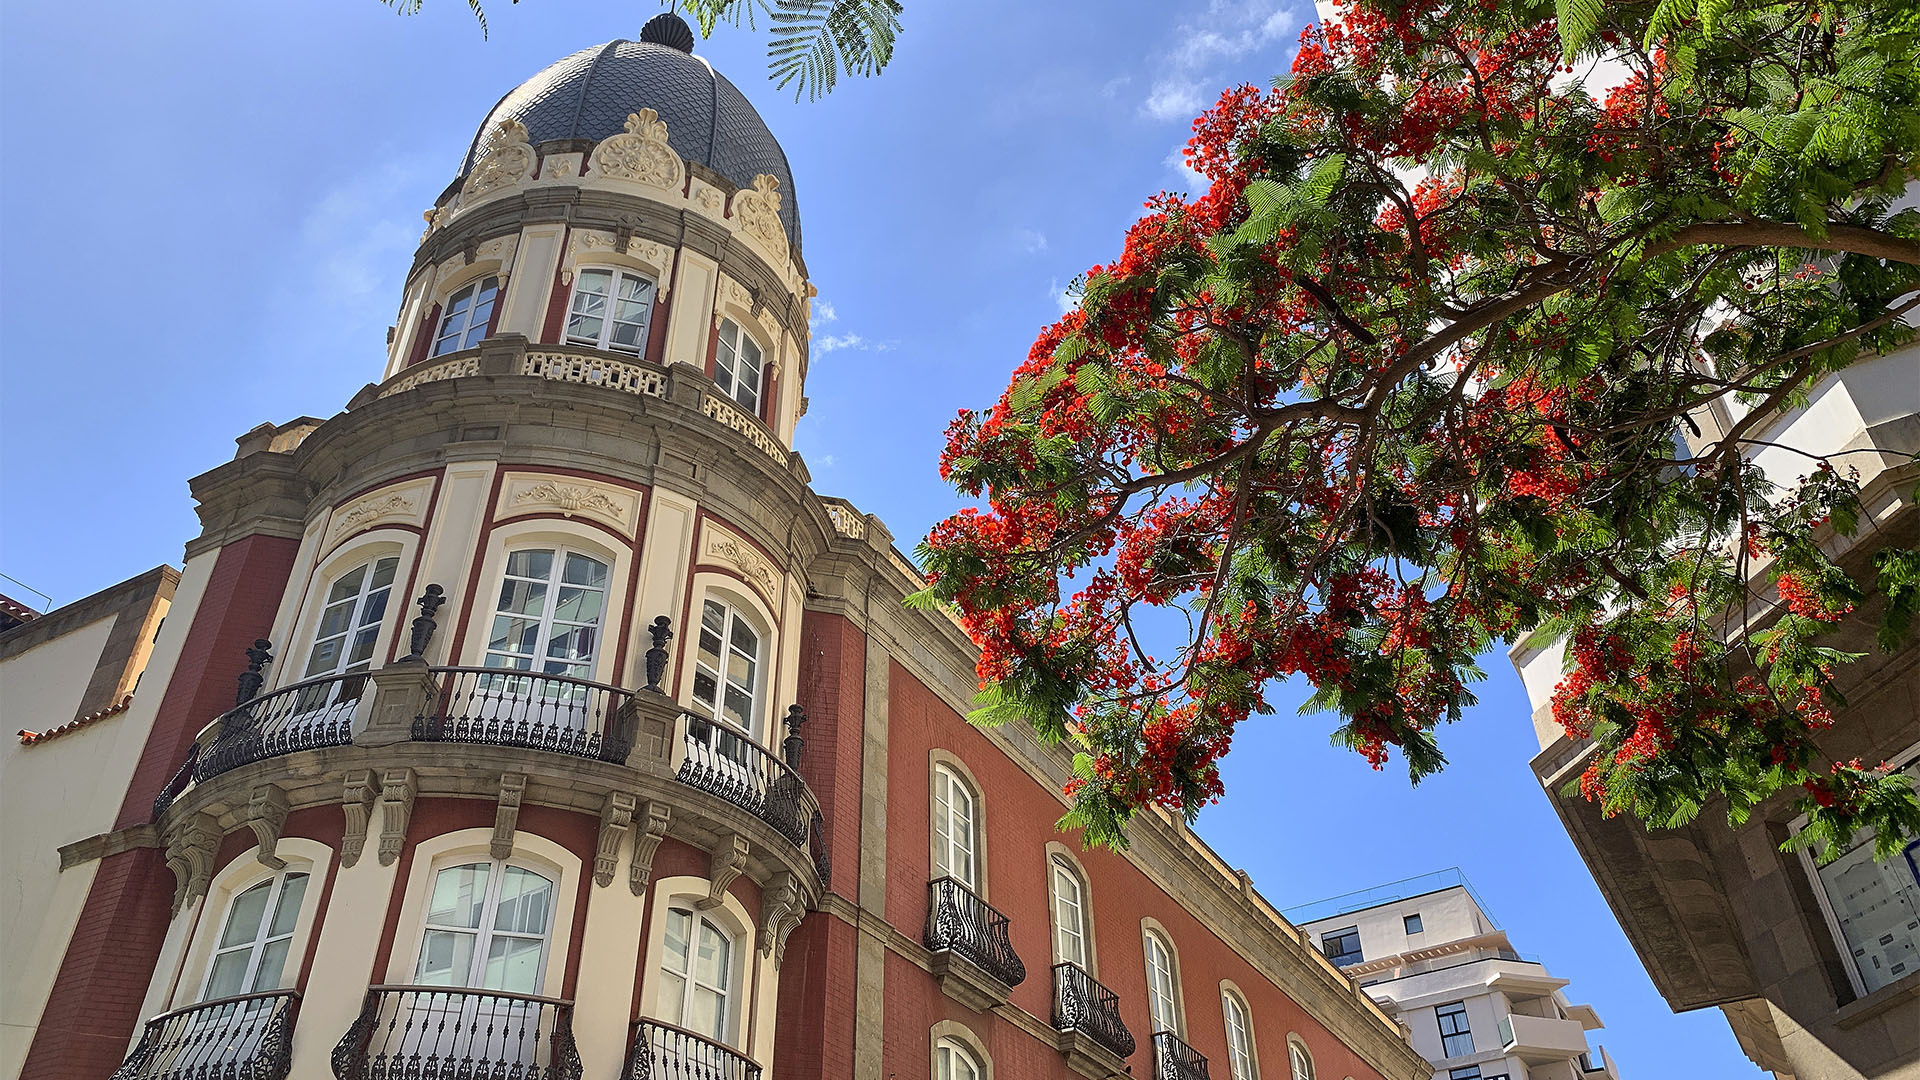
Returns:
<point x="1860" y="1010"/>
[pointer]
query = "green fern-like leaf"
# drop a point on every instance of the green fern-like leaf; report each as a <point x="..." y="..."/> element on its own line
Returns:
<point x="814" y="41"/>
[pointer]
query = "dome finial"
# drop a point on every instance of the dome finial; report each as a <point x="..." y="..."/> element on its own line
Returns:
<point x="669" y="29"/>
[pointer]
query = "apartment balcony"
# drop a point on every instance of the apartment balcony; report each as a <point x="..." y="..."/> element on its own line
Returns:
<point x="439" y="1031"/>
<point x="553" y="713"/>
<point x="1538" y="1040"/>
<point x="1087" y="1017"/>
<point x="662" y="1051"/>
<point x="247" y="1036"/>
<point x="1175" y="1060"/>
<point x="973" y="953"/>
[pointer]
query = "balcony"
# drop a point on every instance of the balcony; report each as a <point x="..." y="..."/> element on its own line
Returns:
<point x="662" y="1051"/>
<point x="1538" y="1040"/>
<point x="429" y="1031"/>
<point x="1085" y="1012"/>
<point x="1175" y="1060"/>
<point x="304" y="716"/>
<point x="723" y="761"/>
<point x="973" y="955"/>
<point x="247" y="1036"/>
<point x="555" y="713"/>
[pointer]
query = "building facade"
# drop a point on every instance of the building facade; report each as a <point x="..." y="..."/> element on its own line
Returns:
<point x="533" y="717"/>
<point x="1817" y="967"/>
<point x="1429" y="952"/>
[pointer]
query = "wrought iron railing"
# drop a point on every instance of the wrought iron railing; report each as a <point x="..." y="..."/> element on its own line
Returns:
<point x="661" y="1051"/>
<point x="527" y="709"/>
<point x="1083" y="1005"/>
<point x="961" y="922"/>
<point x="249" y="1037"/>
<point x="426" y="1032"/>
<point x="723" y="761"/>
<point x="1175" y="1060"/>
<point x="302" y="716"/>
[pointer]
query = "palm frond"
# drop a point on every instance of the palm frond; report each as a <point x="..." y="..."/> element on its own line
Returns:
<point x="412" y="7"/>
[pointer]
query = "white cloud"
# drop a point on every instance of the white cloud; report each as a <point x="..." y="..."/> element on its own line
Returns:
<point x="1115" y="85"/>
<point x="1031" y="241"/>
<point x="1189" y="72"/>
<point x="850" y="340"/>
<point x="823" y="313"/>
<point x="828" y="460"/>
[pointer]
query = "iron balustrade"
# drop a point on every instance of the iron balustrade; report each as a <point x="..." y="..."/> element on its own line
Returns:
<point x="661" y="1051"/>
<point x="248" y="1037"/>
<point x="1082" y="1004"/>
<point x="960" y="922"/>
<point x="301" y="716"/>
<point x="429" y="1032"/>
<point x="502" y="707"/>
<point x="724" y="761"/>
<point x="1175" y="1060"/>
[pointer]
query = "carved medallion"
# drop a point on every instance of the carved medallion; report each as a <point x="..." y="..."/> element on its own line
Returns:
<point x="642" y="154"/>
<point x="507" y="164"/>
<point x="758" y="209"/>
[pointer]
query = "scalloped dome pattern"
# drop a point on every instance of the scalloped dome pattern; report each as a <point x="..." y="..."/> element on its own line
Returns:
<point x="588" y="96"/>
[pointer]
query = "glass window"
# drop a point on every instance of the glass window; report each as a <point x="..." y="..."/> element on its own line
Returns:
<point x="1466" y="1072"/>
<point x="251" y="953"/>
<point x="1163" y="1008"/>
<point x="737" y="366"/>
<point x="1342" y="946"/>
<point x="465" y="320"/>
<point x="549" y="612"/>
<point x="1240" y="1063"/>
<point x="1873" y="908"/>
<point x="953" y="828"/>
<point x="696" y="974"/>
<point x="350" y="622"/>
<point x="1455" y="1038"/>
<point x="1069" y="915"/>
<point x="951" y="1061"/>
<point x="726" y="669"/>
<point x="486" y="928"/>
<point x="1299" y="1060"/>
<point x="611" y="309"/>
<point x="1412" y="923"/>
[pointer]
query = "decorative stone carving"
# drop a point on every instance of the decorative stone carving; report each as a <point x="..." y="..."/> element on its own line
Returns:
<point x="570" y="500"/>
<point x="266" y="816"/>
<point x="646" y="841"/>
<point x="397" y="788"/>
<point x="729" y="859"/>
<point x="507" y="164"/>
<point x="192" y="844"/>
<point x="787" y="926"/>
<point x="357" y="802"/>
<point x="651" y="251"/>
<point x="708" y="199"/>
<point x="616" y="817"/>
<point x="558" y="167"/>
<point x="782" y="893"/>
<point x="363" y="512"/>
<point x="530" y="493"/>
<point x="506" y="814"/>
<point x="435" y="217"/>
<point x="758" y="209"/>
<point x="729" y="549"/>
<point x="641" y="154"/>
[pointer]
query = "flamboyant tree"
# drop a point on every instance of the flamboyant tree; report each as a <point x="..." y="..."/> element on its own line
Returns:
<point x="1473" y="336"/>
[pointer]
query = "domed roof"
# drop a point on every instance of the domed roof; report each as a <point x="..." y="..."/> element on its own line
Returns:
<point x="588" y="95"/>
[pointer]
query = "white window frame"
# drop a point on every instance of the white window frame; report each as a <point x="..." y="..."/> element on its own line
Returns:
<point x="276" y="895"/>
<point x="543" y="635"/>
<point x="946" y="1050"/>
<point x="444" y="331"/>
<point x="356" y="617"/>
<point x="1237" y="1016"/>
<point x="726" y="365"/>
<point x="697" y="920"/>
<point x="950" y="825"/>
<point x="604" y="339"/>
<point x="1299" y="1059"/>
<point x="1166" y="970"/>
<point x="732" y="614"/>
<point x="485" y="932"/>
<point x="1906" y="759"/>
<point x="1062" y="874"/>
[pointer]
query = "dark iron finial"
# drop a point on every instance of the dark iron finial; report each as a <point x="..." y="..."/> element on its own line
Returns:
<point x="251" y="680"/>
<point x="793" y="744"/>
<point x="424" y="626"/>
<point x="661" y="631"/>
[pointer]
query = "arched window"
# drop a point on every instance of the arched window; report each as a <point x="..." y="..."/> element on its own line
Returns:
<point x="486" y="928"/>
<point x="954" y="822"/>
<point x="549" y="612"/>
<point x="467" y="315"/>
<point x="696" y="990"/>
<point x="1241" y="1064"/>
<point x="726" y="668"/>
<point x="952" y="1061"/>
<point x="251" y="952"/>
<point x="1301" y="1061"/>
<point x="350" y="622"/>
<point x="611" y="310"/>
<point x="1069" y="913"/>
<point x="737" y="366"/>
<point x="1163" y="992"/>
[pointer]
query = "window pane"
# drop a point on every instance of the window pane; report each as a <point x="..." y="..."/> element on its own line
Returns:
<point x="739" y="709"/>
<point x="635" y="289"/>
<point x="459" y="894"/>
<point x="522" y="597"/>
<point x="572" y="643"/>
<point x="627" y="336"/>
<point x="593" y="282"/>
<point x="578" y="605"/>
<point x="383" y="572"/>
<point x="531" y="563"/>
<point x="243" y="922"/>
<point x="705" y="687"/>
<point x="375" y="608"/>
<point x="513" y="635"/>
<point x="446" y="958"/>
<point x="348" y="586"/>
<point x="525" y="900"/>
<point x="1877" y="905"/>
<point x="513" y="965"/>
<point x="711" y="965"/>
<point x="273" y="958"/>
<point x="704" y="1013"/>
<point x="229" y="968"/>
<point x="581" y="570"/>
<point x="673" y="998"/>
<point x="584" y="329"/>
<point x="679" y="931"/>
<point x="287" y="912"/>
<point x="325" y="657"/>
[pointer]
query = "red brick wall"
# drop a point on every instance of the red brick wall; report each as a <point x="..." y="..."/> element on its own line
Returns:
<point x="94" y="1007"/>
<point x="833" y="678"/>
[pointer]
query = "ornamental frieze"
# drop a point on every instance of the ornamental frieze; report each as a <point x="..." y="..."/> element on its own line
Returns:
<point x="570" y="497"/>
<point x="721" y="547"/>
<point x="508" y="164"/>
<point x="641" y="154"/>
<point x="399" y="504"/>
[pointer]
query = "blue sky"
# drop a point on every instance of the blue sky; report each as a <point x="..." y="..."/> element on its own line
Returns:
<point x="208" y="209"/>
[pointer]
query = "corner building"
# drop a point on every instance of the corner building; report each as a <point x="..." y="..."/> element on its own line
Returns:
<point x="534" y="718"/>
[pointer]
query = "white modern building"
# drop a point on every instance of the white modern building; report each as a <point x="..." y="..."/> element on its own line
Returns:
<point x="1431" y="955"/>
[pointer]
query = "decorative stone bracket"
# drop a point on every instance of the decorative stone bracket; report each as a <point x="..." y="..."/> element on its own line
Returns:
<point x="646" y="841"/>
<point x="356" y="802"/>
<point x="729" y="859"/>
<point x="192" y="844"/>
<point x="506" y="815"/>
<point x="397" y="788"/>
<point x="266" y="816"/>
<point x="616" y="817"/>
<point x="784" y="905"/>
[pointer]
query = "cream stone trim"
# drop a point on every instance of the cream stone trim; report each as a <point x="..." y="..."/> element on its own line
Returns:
<point x="523" y="493"/>
<point x="241" y="873"/>
<point x="530" y="850"/>
<point x="1057" y="850"/>
<point x="598" y="248"/>
<point x="722" y="546"/>
<point x="756" y="211"/>
<point x="1294" y="1039"/>
<point x="1152" y="926"/>
<point x="1229" y="987"/>
<point x="561" y="168"/>
<point x="456" y="274"/>
<point x="957" y="1032"/>
<point x="751" y="971"/>
<point x="549" y="533"/>
<point x="395" y="504"/>
<point x="936" y="758"/>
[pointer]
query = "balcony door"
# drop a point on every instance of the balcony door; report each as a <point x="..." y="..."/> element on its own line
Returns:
<point x="249" y="957"/>
<point x="954" y="818"/>
<point x="696" y="976"/>
<point x="726" y="690"/>
<point x="546" y="622"/>
<point x="487" y="926"/>
<point x="1069" y="915"/>
<point x="345" y="636"/>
